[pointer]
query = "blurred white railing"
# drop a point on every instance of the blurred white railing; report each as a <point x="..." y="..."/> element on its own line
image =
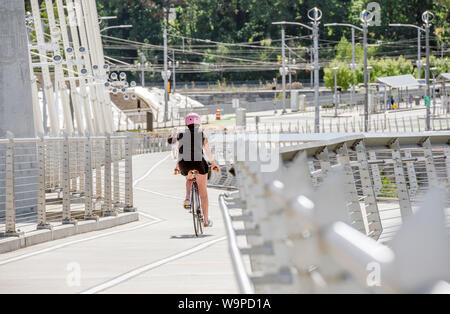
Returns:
<point x="322" y="222"/>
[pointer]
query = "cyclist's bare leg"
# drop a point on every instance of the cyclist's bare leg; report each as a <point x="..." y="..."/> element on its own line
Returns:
<point x="202" y="180"/>
<point x="188" y="188"/>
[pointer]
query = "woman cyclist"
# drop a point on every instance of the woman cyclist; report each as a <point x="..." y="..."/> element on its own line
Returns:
<point x="192" y="147"/>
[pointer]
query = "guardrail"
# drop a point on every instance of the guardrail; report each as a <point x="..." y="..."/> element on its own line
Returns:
<point x="322" y="222"/>
<point x="49" y="180"/>
<point x="351" y="124"/>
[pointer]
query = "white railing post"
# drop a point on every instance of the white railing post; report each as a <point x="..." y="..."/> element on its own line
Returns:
<point x="324" y="161"/>
<point x="412" y="178"/>
<point x="89" y="183"/>
<point x="116" y="178"/>
<point x="81" y="167"/>
<point x="377" y="184"/>
<point x="129" y="202"/>
<point x="98" y="169"/>
<point x="66" y="214"/>
<point x="400" y="181"/>
<point x="429" y="164"/>
<point x="10" y="201"/>
<point x="73" y="170"/>
<point x="354" y="206"/>
<point x="41" y="208"/>
<point x="373" y="216"/>
<point x="107" y="204"/>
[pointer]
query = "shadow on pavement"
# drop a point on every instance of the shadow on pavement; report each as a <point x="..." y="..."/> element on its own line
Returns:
<point x="190" y="236"/>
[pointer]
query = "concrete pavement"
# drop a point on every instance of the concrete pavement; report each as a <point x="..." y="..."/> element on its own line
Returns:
<point x="157" y="254"/>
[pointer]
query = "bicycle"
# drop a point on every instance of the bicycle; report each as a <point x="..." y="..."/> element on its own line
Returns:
<point x="196" y="205"/>
<point x="195" y="202"/>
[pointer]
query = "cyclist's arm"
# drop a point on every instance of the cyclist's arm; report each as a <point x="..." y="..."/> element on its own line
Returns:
<point x="208" y="152"/>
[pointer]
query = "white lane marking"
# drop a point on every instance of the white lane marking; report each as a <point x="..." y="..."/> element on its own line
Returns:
<point x="160" y="194"/>
<point x="150" y="170"/>
<point x="149" y="216"/>
<point x="59" y="246"/>
<point x="143" y="269"/>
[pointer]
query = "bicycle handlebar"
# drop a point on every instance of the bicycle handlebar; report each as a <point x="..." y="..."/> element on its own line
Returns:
<point x="177" y="171"/>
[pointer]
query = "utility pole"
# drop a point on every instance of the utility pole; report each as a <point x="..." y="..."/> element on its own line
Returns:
<point x="427" y="18"/>
<point x="364" y="15"/>
<point x="165" y="76"/>
<point x="419" y="30"/>
<point x="335" y="70"/>
<point x="315" y="15"/>
<point x="283" y="67"/>
<point x="311" y="62"/>
<point x="173" y="70"/>
<point x="289" y="70"/>
<point x="353" y="65"/>
<point x="419" y="57"/>
<point x="433" y="72"/>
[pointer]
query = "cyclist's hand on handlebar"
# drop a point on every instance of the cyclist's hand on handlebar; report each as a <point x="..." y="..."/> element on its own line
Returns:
<point x="177" y="171"/>
<point x="215" y="167"/>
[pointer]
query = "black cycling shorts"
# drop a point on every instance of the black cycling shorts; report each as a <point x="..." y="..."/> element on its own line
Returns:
<point x="186" y="166"/>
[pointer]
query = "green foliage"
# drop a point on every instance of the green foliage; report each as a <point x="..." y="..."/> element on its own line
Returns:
<point x="344" y="75"/>
<point x="387" y="67"/>
<point x="442" y="65"/>
<point x="250" y="21"/>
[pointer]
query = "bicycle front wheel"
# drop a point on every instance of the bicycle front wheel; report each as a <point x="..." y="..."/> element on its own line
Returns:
<point x="195" y="205"/>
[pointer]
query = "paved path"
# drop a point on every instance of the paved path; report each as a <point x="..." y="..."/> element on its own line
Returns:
<point x="157" y="254"/>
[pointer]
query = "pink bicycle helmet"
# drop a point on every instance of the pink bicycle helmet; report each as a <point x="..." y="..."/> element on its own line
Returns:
<point x="193" y="118"/>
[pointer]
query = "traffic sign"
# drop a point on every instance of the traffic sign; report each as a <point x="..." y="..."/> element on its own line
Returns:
<point x="427" y="101"/>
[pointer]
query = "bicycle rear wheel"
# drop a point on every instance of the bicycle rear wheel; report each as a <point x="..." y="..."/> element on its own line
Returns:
<point x="195" y="208"/>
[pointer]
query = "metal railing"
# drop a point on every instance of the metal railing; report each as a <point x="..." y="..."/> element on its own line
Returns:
<point x="51" y="180"/>
<point x="351" y="124"/>
<point x="353" y="214"/>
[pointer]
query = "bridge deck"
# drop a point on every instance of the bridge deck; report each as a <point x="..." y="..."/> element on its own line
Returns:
<point x="157" y="254"/>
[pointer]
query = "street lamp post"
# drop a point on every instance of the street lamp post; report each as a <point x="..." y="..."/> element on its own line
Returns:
<point x="364" y="20"/>
<point x="433" y="72"/>
<point x="165" y="77"/>
<point x="427" y="18"/>
<point x="419" y="30"/>
<point x="275" y="94"/>
<point x="335" y="70"/>
<point x="174" y="65"/>
<point x="169" y="16"/>
<point x="315" y="15"/>
<point x="353" y="65"/>
<point x="142" y="67"/>
<point x="283" y="64"/>
<point x="289" y="71"/>
<point x="311" y="60"/>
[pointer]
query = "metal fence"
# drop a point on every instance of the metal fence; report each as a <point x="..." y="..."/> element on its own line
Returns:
<point x="353" y="214"/>
<point x="52" y="180"/>
<point x="377" y="123"/>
